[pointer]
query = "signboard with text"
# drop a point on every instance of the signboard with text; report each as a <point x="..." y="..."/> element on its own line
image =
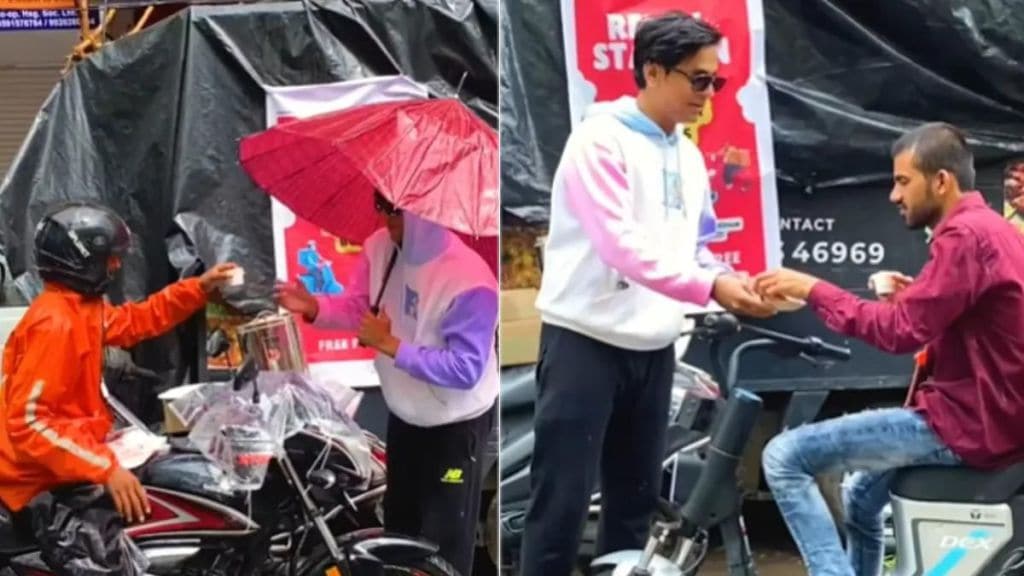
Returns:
<point x="734" y="132"/>
<point x="39" y="19"/>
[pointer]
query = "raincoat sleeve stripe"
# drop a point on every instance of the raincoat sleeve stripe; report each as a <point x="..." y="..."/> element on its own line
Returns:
<point x="50" y="435"/>
<point x="128" y="324"/>
<point x="37" y="431"/>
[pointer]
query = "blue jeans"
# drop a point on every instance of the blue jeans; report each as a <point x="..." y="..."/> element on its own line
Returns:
<point x="873" y="444"/>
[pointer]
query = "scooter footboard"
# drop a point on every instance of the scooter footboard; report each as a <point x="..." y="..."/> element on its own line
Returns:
<point x="622" y="564"/>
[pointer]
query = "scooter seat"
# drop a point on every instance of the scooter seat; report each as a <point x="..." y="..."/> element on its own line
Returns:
<point x="959" y="484"/>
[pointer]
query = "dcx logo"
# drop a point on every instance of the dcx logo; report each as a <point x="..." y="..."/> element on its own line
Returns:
<point x="966" y="543"/>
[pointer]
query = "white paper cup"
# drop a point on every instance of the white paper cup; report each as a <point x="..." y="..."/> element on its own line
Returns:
<point x="237" y="276"/>
<point x="883" y="283"/>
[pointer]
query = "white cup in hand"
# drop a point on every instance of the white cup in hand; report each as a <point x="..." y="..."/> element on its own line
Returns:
<point x="885" y="282"/>
<point x="237" y="276"/>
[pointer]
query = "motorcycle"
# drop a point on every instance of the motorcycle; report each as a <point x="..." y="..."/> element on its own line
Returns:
<point x="679" y="539"/>
<point x="309" y="515"/>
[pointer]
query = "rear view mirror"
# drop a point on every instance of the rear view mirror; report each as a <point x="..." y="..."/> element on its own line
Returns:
<point x="217" y="343"/>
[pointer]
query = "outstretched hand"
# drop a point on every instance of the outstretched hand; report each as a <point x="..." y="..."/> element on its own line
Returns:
<point x="784" y="283"/>
<point x="217" y="277"/>
<point x="296" y="299"/>
<point x="735" y="295"/>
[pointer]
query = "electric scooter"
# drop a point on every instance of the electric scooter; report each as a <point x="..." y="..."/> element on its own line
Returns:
<point x="678" y="542"/>
<point x="953" y="521"/>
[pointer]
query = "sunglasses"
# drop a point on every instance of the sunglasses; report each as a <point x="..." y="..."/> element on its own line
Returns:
<point x="384" y="207"/>
<point x="701" y="82"/>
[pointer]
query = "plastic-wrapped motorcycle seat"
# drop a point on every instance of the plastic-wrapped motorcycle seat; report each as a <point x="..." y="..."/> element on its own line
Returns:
<point x="80" y="533"/>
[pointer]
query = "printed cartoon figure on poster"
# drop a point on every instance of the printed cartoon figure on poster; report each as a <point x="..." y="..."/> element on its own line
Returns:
<point x="318" y="276"/>
<point x="324" y="265"/>
<point x="733" y="131"/>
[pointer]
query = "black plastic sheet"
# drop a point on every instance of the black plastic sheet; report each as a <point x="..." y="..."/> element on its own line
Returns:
<point x="534" y="104"/>
<point x="150" y="125"/>
<point x="80" y="533"/>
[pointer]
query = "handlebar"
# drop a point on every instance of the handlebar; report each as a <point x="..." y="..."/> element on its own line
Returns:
<point x="810" y="345"/>
<point x="718" y="326"/>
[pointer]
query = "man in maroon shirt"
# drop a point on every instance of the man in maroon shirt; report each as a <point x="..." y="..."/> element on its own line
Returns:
<point x="966" y="306"/>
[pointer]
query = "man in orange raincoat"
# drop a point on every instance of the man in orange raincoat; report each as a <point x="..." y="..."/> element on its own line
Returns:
<point x="53" y="419"/>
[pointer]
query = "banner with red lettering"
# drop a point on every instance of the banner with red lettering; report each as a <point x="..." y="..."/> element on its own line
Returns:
<point x="308" y="254"/>
<point x="734" y="132"/>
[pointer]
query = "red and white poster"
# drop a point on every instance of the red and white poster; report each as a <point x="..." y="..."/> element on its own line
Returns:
<point x="734" y="132"/>
<point x="305" y="252"/>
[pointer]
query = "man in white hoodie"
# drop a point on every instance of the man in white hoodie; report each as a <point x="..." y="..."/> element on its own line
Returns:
<point x="429" y="305"/>
<point x="631" y="216"/>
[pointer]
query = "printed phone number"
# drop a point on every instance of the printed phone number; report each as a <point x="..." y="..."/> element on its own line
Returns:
<point x="837" y="253"/>
<point x="36" y="23"/>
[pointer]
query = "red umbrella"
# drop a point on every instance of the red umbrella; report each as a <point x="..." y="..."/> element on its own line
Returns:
<point x="433" y="158"/>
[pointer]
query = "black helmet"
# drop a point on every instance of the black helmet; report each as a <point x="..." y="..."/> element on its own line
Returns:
<point x="74" y="243"/>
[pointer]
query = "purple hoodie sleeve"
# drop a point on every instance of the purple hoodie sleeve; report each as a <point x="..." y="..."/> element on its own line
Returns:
<point x="346" y="311"/>
<point x="468" y="330"/>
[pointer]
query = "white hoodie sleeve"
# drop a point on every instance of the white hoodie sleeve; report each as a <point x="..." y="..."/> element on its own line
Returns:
<point x="600" y="196"/>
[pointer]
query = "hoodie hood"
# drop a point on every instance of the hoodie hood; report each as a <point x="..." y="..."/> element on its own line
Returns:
<point x="626" y="111"/>
<point x="422" y="240"/>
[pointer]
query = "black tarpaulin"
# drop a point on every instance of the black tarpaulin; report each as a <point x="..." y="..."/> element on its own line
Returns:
<point x="150" y="125"/>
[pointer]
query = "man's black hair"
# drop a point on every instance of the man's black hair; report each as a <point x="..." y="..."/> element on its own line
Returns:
<point x="939" y="146"/>
<point x="669" y="39"/>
